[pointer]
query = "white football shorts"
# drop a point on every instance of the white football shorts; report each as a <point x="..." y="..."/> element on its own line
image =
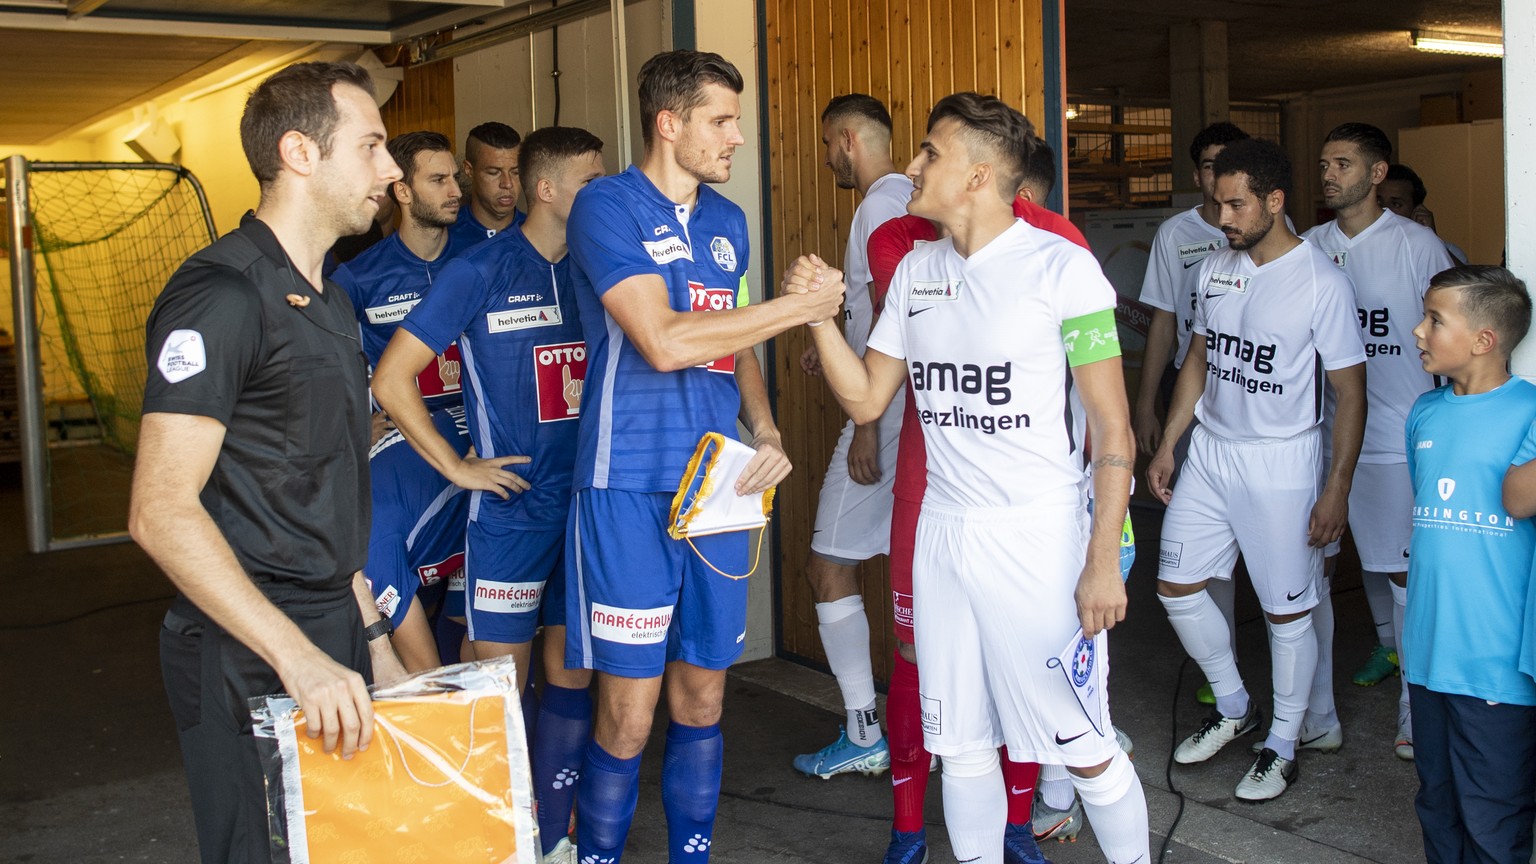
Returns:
<point x="853" y="521"/>
<point x="1381" y="515"/>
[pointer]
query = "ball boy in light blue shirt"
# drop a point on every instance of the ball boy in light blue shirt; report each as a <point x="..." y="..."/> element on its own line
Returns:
<point x="1469" y="571"/>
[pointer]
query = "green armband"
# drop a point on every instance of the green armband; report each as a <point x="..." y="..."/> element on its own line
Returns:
<point x="743" y="296"/>
<point x="1090" y="338"/>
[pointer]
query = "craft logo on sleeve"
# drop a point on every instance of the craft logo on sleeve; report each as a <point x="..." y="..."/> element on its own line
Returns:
<point x="522" y="319"/>
<point x="508" y="596"/>
<point x="182" y="355"/>
<point x="667" y="249"/>
<point x="936" y="289"/>
<point x="701" y="299"/>
<point x="559" y="372"/>
<point x="725" y="254"/>
<point x="631" y="626"/>
<point x="431" y="574"/>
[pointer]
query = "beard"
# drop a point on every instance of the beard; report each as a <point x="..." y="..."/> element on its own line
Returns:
<point x="1349" y="196"/>
<point x="432" y="217"/>
<point x="842" y="172"/>
<point x="704" y="166"/>
<point x="1249" y="239"/>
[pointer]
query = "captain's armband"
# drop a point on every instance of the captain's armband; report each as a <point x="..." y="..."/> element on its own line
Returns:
<point x="1090" y="338"/>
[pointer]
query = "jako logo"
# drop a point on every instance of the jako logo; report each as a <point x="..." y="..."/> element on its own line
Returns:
<point x="1447" y="488"/>
<point x="969" y="378"/>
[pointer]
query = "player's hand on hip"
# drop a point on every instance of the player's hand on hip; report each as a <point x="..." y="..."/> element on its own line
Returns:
<point x="490" y="475"/>
<point x="379" y="425"/>
<point x="765" y="469"/>
<point x="804" y="275"/>
<point x="810" y="361"/>
<point x="337" y="707"/>
<point x="1160" y="475"/>
<point x="1100" y="597"/>
<point x="1329" y="517"/>
<point x="864" y="455"/>
<point x="1149" y="430"/>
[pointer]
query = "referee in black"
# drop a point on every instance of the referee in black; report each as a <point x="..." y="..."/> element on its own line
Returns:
<point x="251" y="486"/>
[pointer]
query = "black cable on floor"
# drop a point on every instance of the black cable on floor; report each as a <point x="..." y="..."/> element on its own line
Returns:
<point x="86" y="614"/>
<point x="1173" y="744"/>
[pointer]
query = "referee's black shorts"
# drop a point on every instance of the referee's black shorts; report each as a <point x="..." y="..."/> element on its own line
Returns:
<point x="209" y="675"/>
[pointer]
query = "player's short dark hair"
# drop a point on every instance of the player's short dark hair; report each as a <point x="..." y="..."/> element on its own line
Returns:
<point x="860" y="105"/>
<point x="1373" y="143"/>
<point x="992" y="123"/>
<point x="675" y="81"/>
<point x="299" y="98"/>
<point x="1490" y="297"/>
<point x="1222" y="134"/>
<point x="1410" y="176"/>
<point x="497" y="136"/>
<point x="1040" y="170"/>
<point x="544" y="150"/>
<point x="1267" y="166"/>
<point x="403" y="149"/>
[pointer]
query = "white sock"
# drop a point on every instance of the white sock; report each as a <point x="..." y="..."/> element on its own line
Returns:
<point x="1055" y="786"/>
<point x="1116" y="807"/>
<point x="1378" y="596"/>
<point x="975" y="806"/>
<point x="1293" y="651"/>
<point x="1322" y="713"/>
<point x="1399" y="616"/>
<point x="1224" y="592"/>
<point x="845" y="637"/>
<point x="1207" y="639"/>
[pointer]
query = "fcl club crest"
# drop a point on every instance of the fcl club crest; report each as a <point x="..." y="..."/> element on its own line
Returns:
<point x="1082" y="662"/>
<point x="1447" y="488"/>
<point x="724" y="252"/>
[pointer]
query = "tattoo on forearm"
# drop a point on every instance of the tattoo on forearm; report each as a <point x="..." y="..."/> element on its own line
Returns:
<point x="1111" y="460"/>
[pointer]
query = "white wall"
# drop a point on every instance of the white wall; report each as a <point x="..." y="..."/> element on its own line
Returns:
<point x="1520" y="138"/>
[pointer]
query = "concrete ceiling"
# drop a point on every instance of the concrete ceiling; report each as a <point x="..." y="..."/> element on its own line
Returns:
<point x="68" y="63"/>
<point x="1273" y="46"/>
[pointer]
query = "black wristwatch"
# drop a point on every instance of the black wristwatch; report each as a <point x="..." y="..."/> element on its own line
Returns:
<point x="379" y="628"/>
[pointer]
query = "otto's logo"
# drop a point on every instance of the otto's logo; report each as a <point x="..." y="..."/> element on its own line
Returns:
<point x="701" y="299"/>
<point x="967" y="378"/>
<point x="941" y="289"/>
<point x="631" y="626"/>
<point x="724" y="252"/>
<point x="559" y="374"/>
<point x="431" y="574"/>
<point x="667" y="250"/>
<point x="1446" y="488"/>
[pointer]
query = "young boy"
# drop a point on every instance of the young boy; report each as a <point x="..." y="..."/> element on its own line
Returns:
<point x="1474" y="713"/>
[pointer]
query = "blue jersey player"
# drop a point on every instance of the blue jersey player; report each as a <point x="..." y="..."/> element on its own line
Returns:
<point x="490" y="164"/>
<point x="512" y="306"/>
<point x="660" y="264"/>
<point x="416" y="539"/>
<point x="388" y="280"/>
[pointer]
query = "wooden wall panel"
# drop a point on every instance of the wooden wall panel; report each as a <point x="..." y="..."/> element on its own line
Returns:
<point x="423" y="102"/>
<point x="909" y="54"/>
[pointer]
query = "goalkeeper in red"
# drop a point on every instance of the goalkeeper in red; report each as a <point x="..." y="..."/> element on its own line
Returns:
<point x="986" y="325"/>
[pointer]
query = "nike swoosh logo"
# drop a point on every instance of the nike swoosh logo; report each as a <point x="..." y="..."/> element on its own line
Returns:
<point x="1193" y="263"/>
<point x="1297" y="594"/>
<point x="1306" y="741"/>
<point x="1061" y="740"/>
<point x="1017" y="791"/>
<point x="1405" y="553"/>
<point x="911" y="312"/>
<point x="900" y="780"/>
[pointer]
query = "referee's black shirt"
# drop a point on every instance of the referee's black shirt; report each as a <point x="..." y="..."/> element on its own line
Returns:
<point x="290" y="488"/>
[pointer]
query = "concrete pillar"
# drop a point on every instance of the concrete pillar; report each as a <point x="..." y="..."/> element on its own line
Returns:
<point x="1197" y="74"/>
<point x="1520" y="138"/>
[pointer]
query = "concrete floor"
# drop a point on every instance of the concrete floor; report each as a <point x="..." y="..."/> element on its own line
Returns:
<point x="90" y="772"/>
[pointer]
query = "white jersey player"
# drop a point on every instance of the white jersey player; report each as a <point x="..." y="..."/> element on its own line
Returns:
<point x="1271" y="310"/>
<point x="986" y="324"/>
<point x="853" y="515"/>
<point x="1390" y="260"/>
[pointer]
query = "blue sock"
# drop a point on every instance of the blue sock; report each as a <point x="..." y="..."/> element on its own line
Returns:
<point x="530" y="702"/>
<point x="690" y="789"/>
<point x="565" y="727"/>
<point x="450" y="637"/>
<point x="606" y="798"/>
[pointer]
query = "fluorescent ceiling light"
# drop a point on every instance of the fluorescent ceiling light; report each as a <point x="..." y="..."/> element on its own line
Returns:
<point x="1443" y="42"/>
